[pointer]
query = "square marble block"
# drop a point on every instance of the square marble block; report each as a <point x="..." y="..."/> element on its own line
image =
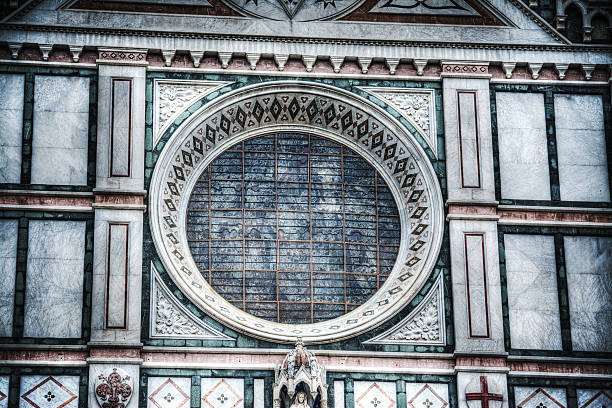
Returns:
<point x="222" y="392"/>
<point x="537" y="397"/>
<point x="429" y="395"/>
<point x="169" y="392"/>
<point x="8" y="264"/>
<point x="589" y="280"/>
<point x="49" y="391"/>
<point x="61" y="126"/>
<point x="594" y="398"/>
<point x="370" y="394"/>
<point x="4" y="391"/>
<point x="533" y="299"/>
<point x="54" y="279"/>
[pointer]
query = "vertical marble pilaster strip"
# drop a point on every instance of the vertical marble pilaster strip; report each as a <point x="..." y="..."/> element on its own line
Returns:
<point x="476" y="284"/>
<point x="259" y="397"/>
<point x="468" y="139"/>
<point x="121" y="128"/>
<point x="117" y="276"/>
<point x="8" y="265"/>
<point x="339" y="394"/>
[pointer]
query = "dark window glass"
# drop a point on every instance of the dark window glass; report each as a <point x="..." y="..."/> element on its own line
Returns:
<point x="293" y="228"/>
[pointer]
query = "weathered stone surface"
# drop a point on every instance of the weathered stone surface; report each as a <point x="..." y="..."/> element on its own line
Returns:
<point x="11" y="123"/>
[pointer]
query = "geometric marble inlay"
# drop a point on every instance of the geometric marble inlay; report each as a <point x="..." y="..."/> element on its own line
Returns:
<point x="169" y="392"/>
<point x="222" y="392"/>
<point x="531" y="397"/>
<point x="4" y="385"/>
<point x="374" y="394"/>
<point x="49" y="392"/>
<point x="427" y="395"/>
<point x="594" y="398"/>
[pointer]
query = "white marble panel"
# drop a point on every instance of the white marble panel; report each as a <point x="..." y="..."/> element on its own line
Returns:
<point x="49" y="391"/>
<point x="539" y="397"/>
<point x="581" y="148"/>
<point x="497" y="384"/>
<point x="371" y="394"/>
<point x="169" y="392"/>
<point x="11" y="125"/>
<point x="464" y="342"/>
<point x="117" y="275"/>
<point x="589" y="278"/>
<point x="428" y="395"/>
<point x="4" y="391"/>
<point x="259" y="393"/>
<point x="476" y="282"/>
<point x="523" y="154"/>
<point x="594" y="398"/>
<point x="468" y="139"/>
<point x="451" y="89"/>
<point x="121" y="128"/>
<point x="533" y="299"/>
<point x="339" y="394"/>
<point x="60" y="134"/>
<point x="222" y="392"/>
<point x="99" y="331"/>
<point x="104" y="171"/>
<point x="8" y="263"/>
<point x="54" y="279"/>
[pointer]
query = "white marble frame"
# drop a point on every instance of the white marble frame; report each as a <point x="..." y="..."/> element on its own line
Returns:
<point x="451" y="86"/>
<point x="495" y="341"/>
<point x="384" y="304"/>
<point x="99" y="331"/>
<point x="106" y="74"/>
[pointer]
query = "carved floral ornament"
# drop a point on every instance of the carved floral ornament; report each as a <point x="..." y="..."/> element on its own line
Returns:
<point x="324" y="111"/>
<point x="114" y="388"/>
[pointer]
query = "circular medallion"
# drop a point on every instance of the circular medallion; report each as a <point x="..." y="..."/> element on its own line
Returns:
<point x="254" y="123"/>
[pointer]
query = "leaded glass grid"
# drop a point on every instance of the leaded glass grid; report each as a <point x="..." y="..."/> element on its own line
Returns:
<point x="293" y="228"/>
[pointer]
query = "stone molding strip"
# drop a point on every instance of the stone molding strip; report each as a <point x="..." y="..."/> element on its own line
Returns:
<point x="534" y="216"/>
<point x="69" y="201"/>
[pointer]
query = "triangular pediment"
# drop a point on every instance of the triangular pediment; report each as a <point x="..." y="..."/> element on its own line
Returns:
<point x="481" y="21"/>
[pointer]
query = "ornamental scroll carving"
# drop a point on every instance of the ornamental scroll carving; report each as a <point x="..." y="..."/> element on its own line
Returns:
<point x="424" y="325"/>
<point x="417" y="106"/>
<point x="173" y="97"/>
<point x="114" y="388"/>
<point x="170" y="319"/>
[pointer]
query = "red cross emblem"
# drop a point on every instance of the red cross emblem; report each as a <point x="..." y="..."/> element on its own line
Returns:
<point x="484" y="396"/>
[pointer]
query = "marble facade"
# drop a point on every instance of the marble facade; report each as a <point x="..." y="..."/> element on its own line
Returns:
<point x="460" y="193"/>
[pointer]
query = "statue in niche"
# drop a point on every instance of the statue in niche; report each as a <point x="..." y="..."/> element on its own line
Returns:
<point x="300" y="380"/>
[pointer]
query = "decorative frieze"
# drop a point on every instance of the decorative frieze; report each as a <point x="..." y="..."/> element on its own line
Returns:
<point x="465" y="68"/>
<point x="122" y="55"/>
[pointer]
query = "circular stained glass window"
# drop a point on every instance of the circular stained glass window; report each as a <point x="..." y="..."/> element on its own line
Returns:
<point x="293" y="228"/>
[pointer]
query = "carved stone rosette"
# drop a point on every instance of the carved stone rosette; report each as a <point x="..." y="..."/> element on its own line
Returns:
<point x="114" y="388"/>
